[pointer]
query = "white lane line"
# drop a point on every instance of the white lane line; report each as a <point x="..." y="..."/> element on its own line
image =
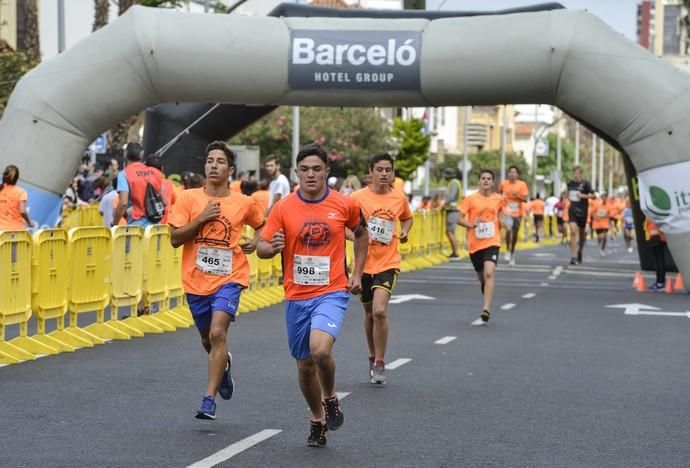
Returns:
<point x="543" y="284"/>
<point x="552" y="277"/>
<point x="507" y="306"/>
<point x="232" y="450"/>
<point x="446" y="340"/>
<point x="558" y="270"/>
<point x="397" y="363"/>
<point x="479" y="323"/>
<point x="3" y="365"/>
<point x="342" y="395"/>
<point x="528" y="295"/>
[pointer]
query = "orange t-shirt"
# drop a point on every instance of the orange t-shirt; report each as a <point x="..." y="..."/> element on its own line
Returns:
<point x="236" y="186"/>
<point x="600" y="214"/>
<point x="566" y="210"/>
<point x="537" y="206"/>
<point x="389" y="208"/>
<point x="399" y="184"/>
<point x="313" y="230"/>
<point x="261" y="197"/>
<point x="511" y="191"/>
<point x="170" y="196"/>
<point x="10" y="217"/>
<point x="483" y="210"/>
<point x="216" y="238"/>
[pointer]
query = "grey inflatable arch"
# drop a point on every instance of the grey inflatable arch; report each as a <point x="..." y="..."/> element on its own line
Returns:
<point x="565" y="58"/>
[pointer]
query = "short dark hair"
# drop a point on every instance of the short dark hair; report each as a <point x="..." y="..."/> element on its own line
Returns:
<point x="272" y="157"/>
<point x="487" y="171"/>
<point x="517" y="169"/>
<point x="221" y="146"/>
<point x="133" y="151"/>
<point x="312" y="150"/>
<point x="378" y="157"/>
<point x="577" y="168"/>
<point x="10" y="176"/>
<point x="153" y="160"/>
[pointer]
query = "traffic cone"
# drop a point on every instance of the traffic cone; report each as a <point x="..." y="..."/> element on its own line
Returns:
<point x="679" y="282"/>
<point x="668" y="289"/>
<point x="640" y="284"/>
<point x="636" y="280"/>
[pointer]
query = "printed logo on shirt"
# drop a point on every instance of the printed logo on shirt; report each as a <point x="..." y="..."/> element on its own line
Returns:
<point x="315" y="234"/>
<point x="332" y="325"/>
<point x="332" y="215"/>
<point x="215" y="233"/>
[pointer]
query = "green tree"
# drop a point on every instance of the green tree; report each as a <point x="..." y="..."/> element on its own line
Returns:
<point x="486" y="160"/>
<point x="412" y="145"/>
<point x="13" y="65"/>
<point x="350" y="135"/>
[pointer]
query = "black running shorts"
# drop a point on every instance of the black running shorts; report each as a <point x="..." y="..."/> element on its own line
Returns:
<point x="489" y="254"/>
<point x="384" y="280"/>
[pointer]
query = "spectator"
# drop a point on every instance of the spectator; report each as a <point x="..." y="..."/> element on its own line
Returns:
<point x="350" y="185"/>
<point x="279" y="186"/>
<point x="657" y="241"/>
<point x="550" y="212"/>
<point x="167" y="191"/>
<point x="132" y="183"/>
<point x="107" y="205"/>
<point x="452" y="200"/>
<point x="113" y="169"/>
<point x="71" y="200"/>
<point x="13" y="214"/>
<point x="192" y="180"/>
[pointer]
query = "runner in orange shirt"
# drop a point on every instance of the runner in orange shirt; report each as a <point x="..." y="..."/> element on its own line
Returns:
<point x="537" y="208"/>
<point x="308" y="228"/>
<point x="601" y="219"/>
<point x="13" y="214"/>
<point x="209" y="221"/>
<point x="479" y="214"/>
<point x="262" y="195"/>
<point x="515" y="192"/>
<point x="383" y="207"/>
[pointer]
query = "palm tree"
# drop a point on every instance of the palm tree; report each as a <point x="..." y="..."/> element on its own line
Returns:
<point x="100" y="19"/>
<point x="29" y="42"/>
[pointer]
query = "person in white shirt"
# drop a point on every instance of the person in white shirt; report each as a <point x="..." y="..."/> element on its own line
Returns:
<point x="107" y="205"/>
<point x="550" y="212"/>
<point x="279" y="186"/>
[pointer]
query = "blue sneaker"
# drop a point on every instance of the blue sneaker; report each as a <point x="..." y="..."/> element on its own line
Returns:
<point x="208" y="408"/>
<point x="227" y="385"/>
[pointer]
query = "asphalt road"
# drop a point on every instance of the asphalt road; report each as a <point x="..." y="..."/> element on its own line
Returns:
<point x="557" y="379"/>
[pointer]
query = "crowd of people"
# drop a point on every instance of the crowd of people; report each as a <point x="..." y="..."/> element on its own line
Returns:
<point x="307" y="224"/>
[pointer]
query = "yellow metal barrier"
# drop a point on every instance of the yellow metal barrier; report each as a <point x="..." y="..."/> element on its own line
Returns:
<point x="49" y="289"/>
<point x="82" y="216"/>
<point x="15" y="282"/>
<point x="90" y="268"/>
<point x="156" y="242"/>
<point x="127" y="276"/>
<point x="175" y="288"/>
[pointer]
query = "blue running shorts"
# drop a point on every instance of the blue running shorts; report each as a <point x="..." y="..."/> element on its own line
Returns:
<point x="325" y="312"/>
<point x="226" y="299"/>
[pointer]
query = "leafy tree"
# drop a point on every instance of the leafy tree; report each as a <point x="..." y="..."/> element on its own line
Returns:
<point x="486" y="160"/>
<point x="413" y="145"/>
<point x="13" y="65"/>
<point x="350" y="135"/>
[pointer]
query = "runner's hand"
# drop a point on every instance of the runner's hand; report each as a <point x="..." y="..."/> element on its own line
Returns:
<point x="403" y="237"/>
<point x="247" y="245"/>
<point x="354" y="284"/>
<point x="278" y="241"/>
<point x="211" y="211"/>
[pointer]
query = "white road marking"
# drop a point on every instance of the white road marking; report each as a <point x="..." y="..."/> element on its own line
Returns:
<point x="643" y="309"/>
<point x="232" y="450"/>
<point x="479" y="323"/>
<point x="342" y="395"/>
<point x="409" y="297"/>
<point x="552" y="277"/>
<point x="543" y="284"/>
<point x="3" y="365"/>
<point x="397" y="363"/>
<point x="507" y="306"/>
<point x="558" y="270"/>
<point x="528" y="295"/>
<point x="445" y="340"/>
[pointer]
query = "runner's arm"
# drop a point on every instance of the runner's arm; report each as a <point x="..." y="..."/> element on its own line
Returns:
<point x="405" y="227"/>
<point x="463" y="222"/>
<point x="121" y="207"/>
<point x="24" y="214"/>
<point x="361" y="248"/>
<point x="266" y="249"/>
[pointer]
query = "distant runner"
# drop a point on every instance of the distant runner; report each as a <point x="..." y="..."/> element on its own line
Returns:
<point x="579" y="193"/>
<point x="515" y="193"/>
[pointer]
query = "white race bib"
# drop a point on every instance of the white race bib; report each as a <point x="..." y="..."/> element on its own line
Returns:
<point x="311" y="271"/>
<point x="214" y="261"/>
<point x="629" y="220"/>
<point x="513" y="206"/>
<point x="603" y="213"/>
<point x="381" y="230"/>
<point x="574" y="195"/>
<point x="484" y="230"/>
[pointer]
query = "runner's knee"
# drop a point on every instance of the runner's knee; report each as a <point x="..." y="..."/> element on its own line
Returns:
<point x="217" y="336"/>
<point x="379" y="312"/>
<point x="321" y="355"/>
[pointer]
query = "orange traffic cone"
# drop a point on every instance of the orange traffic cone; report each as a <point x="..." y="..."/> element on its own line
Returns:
<point x="636" y="280"/>
<point x="668" y="289"/>
<point x="640" y="284"/>
<point x="679" y="282"/>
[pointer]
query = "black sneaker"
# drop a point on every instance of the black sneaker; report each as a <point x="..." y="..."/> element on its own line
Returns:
<point x="317" y="434"/>
<point x="227" y="384"/>
<point x="573" y="261"/>
<point x="334" y="415"/>
<point x="485" y="316"/>
<point x="579" y="256"/>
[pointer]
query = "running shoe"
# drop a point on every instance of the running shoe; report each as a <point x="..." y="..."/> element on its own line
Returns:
<point x="334" y="415"/>
<point x="573" y="261"/>
<point x="227" y="385"/>
<point x="630" y="249"/>
<point x="317" y="434"/>
<point x="207" y="409"/>
<point x="657" y="287"/>
<point x="371" y="366"/>
<point x="512" y="260"/>
<point x="579" y="256"/>
<point x="485" y="316"/>
<point x="378" y="375"/>
<point x="506" y="257"/>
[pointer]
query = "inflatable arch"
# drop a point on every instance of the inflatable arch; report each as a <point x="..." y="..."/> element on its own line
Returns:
<point x="565" y="58"/>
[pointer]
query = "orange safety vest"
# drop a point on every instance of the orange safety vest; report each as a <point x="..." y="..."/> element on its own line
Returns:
<point x="138" y="175"/>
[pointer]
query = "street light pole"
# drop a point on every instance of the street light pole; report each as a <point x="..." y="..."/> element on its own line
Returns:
<point x="295" y="141"/>
<point x="557" y="179"/>
<point x="503" y="143"/>
<point x="577" y="143"/>
<point x="61" y="26"/>
<point x="601" y="164"/>
<point x="594" y="159"/>
<point x="465" y="181"/>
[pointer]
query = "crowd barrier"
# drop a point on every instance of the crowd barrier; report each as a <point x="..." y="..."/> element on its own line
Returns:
<point x="133" y="276"/>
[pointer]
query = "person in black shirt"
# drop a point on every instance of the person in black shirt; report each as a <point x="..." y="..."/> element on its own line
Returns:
<point x="579" y="193"/>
